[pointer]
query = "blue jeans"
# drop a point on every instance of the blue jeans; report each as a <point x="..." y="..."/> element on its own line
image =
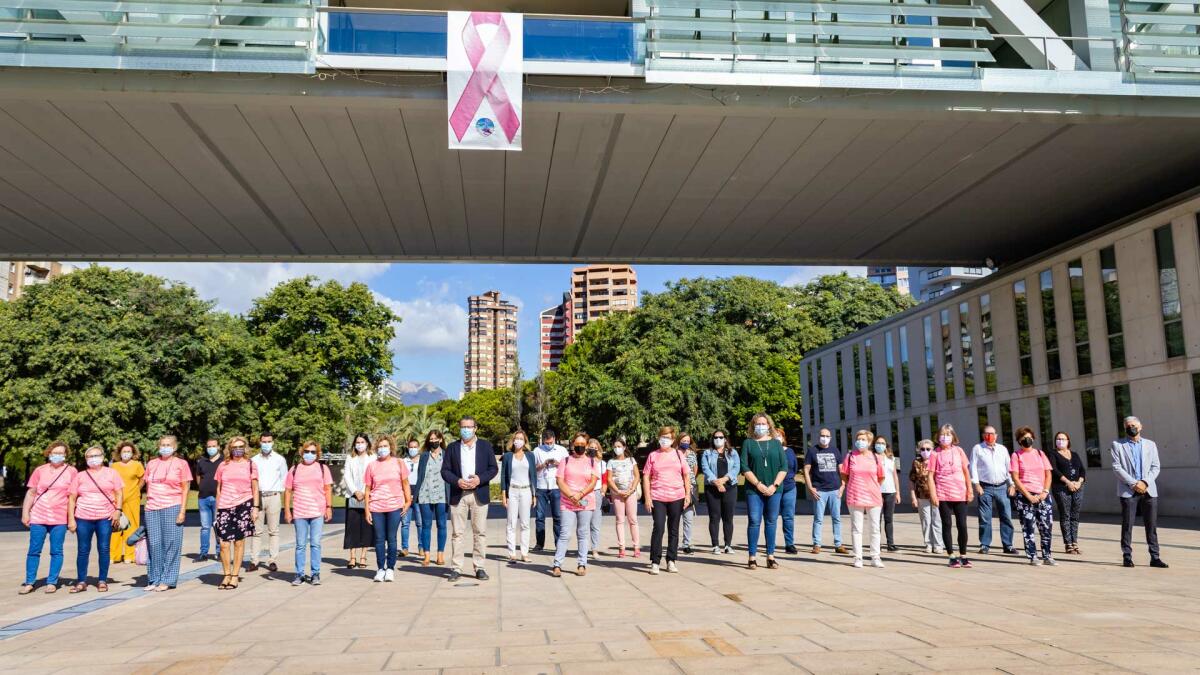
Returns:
<point x="827" y="501"/>
<point x="308" y="538"/>
<point x="84" y="531"/>
<point x="37" y="539"/>
<point x="430" y="513"/>
<point x="764" y="513"/>
<point x="385" y="524"/>
<point x="787" y="507"/>
<point x="992" y="496"/>
<point x="549" y="506"/>
<point x="208" y="513"/>
<point x="411" y="517"/>
<point x="579" y="523"/>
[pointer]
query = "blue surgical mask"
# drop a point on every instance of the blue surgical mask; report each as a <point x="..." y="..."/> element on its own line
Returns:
<point x="466" y="433"/>
<point x="761" y="429"/>
<point x="212" y="451"/>
<point x="413" y="452"/>
<point x="309" y="457"/>
<point x="95" y="461"/>
<point x="266" y="447"/>
<point x="166" y="451"/>
<point x="860" y="444"/>
<point x="685" y="445"/>
<point x="383" y="452"/>
<point x="880" y="447"/>
<point x="57" y="459"/>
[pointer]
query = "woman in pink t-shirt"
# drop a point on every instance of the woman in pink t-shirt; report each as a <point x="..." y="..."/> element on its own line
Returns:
<point x="949" y="489"/>
<point x="1030" y="470"/>
<point x="44" y="512"/>
<point x="862" y="472"/>
<point x="577" y="478"/>
<point x="238" y="501"/>
<point x="388" y="495"/>
<point x="308" y="503"/>
<point x="667" y="489"/>
<point x="168" y="480"/>
<point x="94" y="509"/>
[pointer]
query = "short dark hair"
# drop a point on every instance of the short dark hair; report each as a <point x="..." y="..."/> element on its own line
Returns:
<point x="1021" y="431"/>
<point x="548" y="433"/>
<point x="467" y="418"/>
<point x="266" y="434"/>
<point x="213" y="440"/>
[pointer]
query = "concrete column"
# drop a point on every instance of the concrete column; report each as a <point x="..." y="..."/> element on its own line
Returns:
<point x="1092" y="19"/>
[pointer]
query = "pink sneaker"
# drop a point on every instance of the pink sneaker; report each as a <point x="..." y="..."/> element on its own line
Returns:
<point x="621" y="553"/>
<point x="637" y="552"/>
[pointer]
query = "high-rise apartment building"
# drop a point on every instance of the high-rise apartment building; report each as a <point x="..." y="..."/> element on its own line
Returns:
<point x="890" y="277"/>
<point x="16" y="276"/>
<point x="925" y="283"/>
<point x="491" y="359"/>
<point x="596" y="291"/>
<point x="599" y="290"/>
<point x="556" y="333"/>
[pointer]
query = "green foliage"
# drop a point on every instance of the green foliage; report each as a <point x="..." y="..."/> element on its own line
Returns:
<point x="491" y="408"/>
<point x="841" y="304"/>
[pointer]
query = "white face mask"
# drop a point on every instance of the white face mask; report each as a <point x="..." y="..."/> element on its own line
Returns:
<point x="95" y="461"/>
<point x="1062" y="443"/>
<point x="946" y="440"/>
<point x="360" y="447"/>
<point x="618" y="450"/>
<point x="824" y="441"/>
<point x="718" y="442"/>
<point x="664" y="441"/>
<point x="126" y="455"/>
<point x="166" y="451"/>
<point x="518" y="443"/>
<point x="383" y="451"/>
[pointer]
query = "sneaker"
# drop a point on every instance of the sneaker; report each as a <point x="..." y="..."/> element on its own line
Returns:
<point x="728" y="550"/>
<point x="315" y="580"/>
<point x="1157" y="562"/>
<point x="653" y="568"/>
<point x="298" y="581"/>
<point x="453" y="576"/>
<point x="687" y="550"/>
<point x="379" y="574"/>
<point x="955" y="563"/>
<point x="877" y="563"/>
<point x="1035" y="562"/>
<point x="716" y="550"/>
<point x="892" y="548"/>
<point x="1050" y="561"/>
<point x="939" y="550"/>
<point x="637" y="552"/>
<point x="929" y="549"/>
<point x="967" y="563"/>
<point x="481" y="575"/>
<point x="581" y="571"/>
<point x="273" y="567"/>
<point x="984" y="550"/>
<point x="389" y="575"/>
<point x="671" y="568"/>
<point x="858" y="562"/>
<point x="1010" y="550"/>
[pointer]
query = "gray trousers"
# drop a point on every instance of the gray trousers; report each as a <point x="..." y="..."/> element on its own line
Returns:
<point x="689" y="515"/>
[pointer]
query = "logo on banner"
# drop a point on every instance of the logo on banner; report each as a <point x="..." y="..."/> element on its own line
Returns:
<point x="484" y="62"/>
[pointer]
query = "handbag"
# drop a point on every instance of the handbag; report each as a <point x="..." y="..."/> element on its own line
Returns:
<point x="141" y="552"/>
<point x="122" y="522"/>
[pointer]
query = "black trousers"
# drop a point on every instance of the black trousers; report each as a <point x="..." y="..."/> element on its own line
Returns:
<point x="666" y="521"/>
<point x="720" y="511"/>
<point x="959" y="509"/>
<point x="1129" y="509"/>
<point x="889" y="512"/>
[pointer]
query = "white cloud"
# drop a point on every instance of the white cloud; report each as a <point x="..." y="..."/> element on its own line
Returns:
<point x="234" y="286"/>
<point x="429" y="325"/>
<point x="803" y="275"/>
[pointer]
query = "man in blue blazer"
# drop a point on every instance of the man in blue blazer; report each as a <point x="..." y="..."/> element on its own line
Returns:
<point x="1136" y="464"/>
<point x="469" y="468"/>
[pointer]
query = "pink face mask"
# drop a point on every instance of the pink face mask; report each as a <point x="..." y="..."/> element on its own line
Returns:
<point x="1061" y="443"/>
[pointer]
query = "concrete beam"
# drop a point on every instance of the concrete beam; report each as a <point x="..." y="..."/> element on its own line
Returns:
<point x="1016" y="17"/>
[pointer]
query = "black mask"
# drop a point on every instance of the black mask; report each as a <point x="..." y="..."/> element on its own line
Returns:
<point x="1026" y="442"/>
<point x="1131" y="430"/>
<point x="433" y="444"/>
<point x="578" y="449"/>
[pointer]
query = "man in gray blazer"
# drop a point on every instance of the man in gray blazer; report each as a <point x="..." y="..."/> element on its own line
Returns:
<point x="1135" y="461"/>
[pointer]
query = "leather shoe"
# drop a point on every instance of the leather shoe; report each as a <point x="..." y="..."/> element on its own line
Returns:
<point x="1010" y="550"/>
<point x="1157" y="562"/>
<point x="791" y="549"/>
<point x="843" y="550"/>
<point x="481" y="575"/>
<point x="273" y="567"/>
<point x="252" y="567"/>
<point x="1127" y="563"/>
<point x="816" y="549"/>
<point x="453" y="576"/>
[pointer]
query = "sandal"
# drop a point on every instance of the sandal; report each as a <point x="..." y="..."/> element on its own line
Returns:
<point x="224" y="582"/>
<point x="752" y="565"/>
<point x="25" y="589"/>
<point x="79" y="587"/>
<point x="234" y="581"/>
<point x="772" y="564"/>
<point x="101" y="587"/>
<point x="51" y="588"/>
<point x="556" y="572"/>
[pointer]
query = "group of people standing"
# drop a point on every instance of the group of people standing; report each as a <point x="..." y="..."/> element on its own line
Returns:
<point x="242" y="496"/>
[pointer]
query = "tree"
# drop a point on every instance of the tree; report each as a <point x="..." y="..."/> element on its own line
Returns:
<point x="319" y="346"/>
<point x="491" y="408"/>
<point x="101" y="355"/>
<point x="842" y="304"/>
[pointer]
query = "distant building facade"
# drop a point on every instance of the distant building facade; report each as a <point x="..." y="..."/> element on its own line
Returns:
<point x="16" y="276"/>
<point x="927" y="283"/>
<point x="596" y="291"/>
<point x="556" y="333"/>
<point x="890" y="277"/>
<point x="491" y="358"/>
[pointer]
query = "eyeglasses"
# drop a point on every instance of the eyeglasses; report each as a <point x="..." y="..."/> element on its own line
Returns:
<point x="239" y="447"/>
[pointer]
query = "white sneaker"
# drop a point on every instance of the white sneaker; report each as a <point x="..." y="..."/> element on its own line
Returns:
<point x="1050" y="561"/>
<point x="929" y="549"/>
<point x="728" y="549"/>
<point x="379" y="574"/>
<point x="858" y="562"/>
<point x="716" y="550"/>
<point x="671" y="567"/>
<point x="653" y="568"/>
<point x="1035" y="562"/>
<point x="876" y="562"/>
<point x="389" y="575"/>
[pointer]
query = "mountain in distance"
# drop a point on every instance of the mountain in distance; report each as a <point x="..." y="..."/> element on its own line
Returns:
<point x="420" y="393"/>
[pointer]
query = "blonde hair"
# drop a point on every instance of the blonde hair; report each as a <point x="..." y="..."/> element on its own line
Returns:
<point x="94" y="447"/>
<point x="666" y="431"/>
<point x="512" y="438"/>
<point x="229" y="446"/>
<point x="54" y="445"/>
<point x="754" y="418"/>
<point x="174" y="441"/>
<point x="865" y="432"/>
<point x="380" y="439"/>
<point x="953" y="434"/>
<point x="311" y="444"/>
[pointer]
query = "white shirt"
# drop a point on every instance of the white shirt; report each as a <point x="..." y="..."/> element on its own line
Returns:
<point x="520" y="472"/>
<point x="352" y="478"/>
<point x="413" y="463"/>
<point x="990" y="465"/>
<point x="890" y="466"/>
<point x="601" y="467"/>
<point x="466" y="455"/>
<point x="272" y="471"/>
<point x="547" y="478"/>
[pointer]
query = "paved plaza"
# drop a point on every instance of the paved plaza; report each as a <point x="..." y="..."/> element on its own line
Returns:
<point x="815" y="614"/>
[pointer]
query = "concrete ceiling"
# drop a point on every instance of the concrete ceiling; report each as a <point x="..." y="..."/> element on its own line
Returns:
<point x="166" y="171"/>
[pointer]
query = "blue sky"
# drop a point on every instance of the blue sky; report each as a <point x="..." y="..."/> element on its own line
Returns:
<point x="431" y="299"/>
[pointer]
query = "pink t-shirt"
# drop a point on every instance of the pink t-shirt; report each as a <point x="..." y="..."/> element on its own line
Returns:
<point x="93" y="492"/>
<point x="166" y="480"/>
<point x="863" y="472"/>
<point x="51" y="487"/>
<point x="386" y="478"/>
<point x="1030" y="467"/>
<point x="576" y="472"/>
<point x="668" y="472"/>
<point x="946" y="465"/>
<point x="307" y="483"/>
<point x="236" y="477"/>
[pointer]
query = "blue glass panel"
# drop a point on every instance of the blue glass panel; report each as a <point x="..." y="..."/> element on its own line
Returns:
<point x="424" y="36"/>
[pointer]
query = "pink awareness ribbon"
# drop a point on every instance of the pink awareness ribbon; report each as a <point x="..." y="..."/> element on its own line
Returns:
<point x="485" y="77"/>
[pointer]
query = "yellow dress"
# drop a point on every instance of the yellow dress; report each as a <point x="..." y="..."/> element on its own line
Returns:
<point x="131" y="477"/>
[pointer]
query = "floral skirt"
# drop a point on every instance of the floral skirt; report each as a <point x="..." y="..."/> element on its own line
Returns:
<point x="235" y="524"/>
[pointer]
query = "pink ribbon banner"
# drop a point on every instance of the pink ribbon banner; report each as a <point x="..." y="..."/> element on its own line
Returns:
<point x="484" y="68"/>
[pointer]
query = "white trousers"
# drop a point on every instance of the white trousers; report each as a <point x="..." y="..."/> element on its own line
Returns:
<point x="519" y="502"/>
<point x="931" y="524"/>
<point x="857" y="513"/>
